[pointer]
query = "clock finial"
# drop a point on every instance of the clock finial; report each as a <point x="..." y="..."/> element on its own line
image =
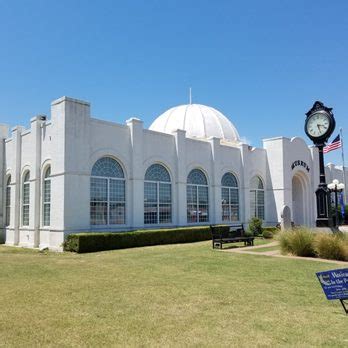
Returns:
<point x="318" y="105"/>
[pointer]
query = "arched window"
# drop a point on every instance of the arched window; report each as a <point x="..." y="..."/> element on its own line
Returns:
<point x="257" y="198"/>
<point x="229" y="198"/>
<point x="108" y="196"/>
<point x="8" y="202"/>
<point x="26" y="199"/>
<point x="47" y="197"/>
<point x="197" y="197"/>
<point x="157" y="196"/>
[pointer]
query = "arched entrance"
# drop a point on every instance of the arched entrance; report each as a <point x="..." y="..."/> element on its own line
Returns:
<point x="300" y="202"/>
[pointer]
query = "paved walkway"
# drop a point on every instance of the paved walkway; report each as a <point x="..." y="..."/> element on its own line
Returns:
<point x="344" y="228"/>
<point x="276" y="253"/>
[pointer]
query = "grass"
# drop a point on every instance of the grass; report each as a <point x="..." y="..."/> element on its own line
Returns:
<point x="266" y="248"/>
<point x="170" y="295"/>
<point x="257" y="241"/>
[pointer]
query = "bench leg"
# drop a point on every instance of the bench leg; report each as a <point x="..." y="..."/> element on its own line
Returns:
<point x="215" y="244"/>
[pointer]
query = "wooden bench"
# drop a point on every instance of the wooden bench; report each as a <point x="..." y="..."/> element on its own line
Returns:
<point x="229" y="234"/>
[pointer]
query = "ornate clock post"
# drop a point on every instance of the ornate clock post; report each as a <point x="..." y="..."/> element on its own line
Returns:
<point x="320" y="124"/>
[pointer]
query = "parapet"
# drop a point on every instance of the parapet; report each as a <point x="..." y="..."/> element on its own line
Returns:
<point x="4" y="131"/>
<point x="69" y="99"/>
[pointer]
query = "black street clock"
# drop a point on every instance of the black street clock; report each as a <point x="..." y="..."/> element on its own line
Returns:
<point x="320" y="124"/>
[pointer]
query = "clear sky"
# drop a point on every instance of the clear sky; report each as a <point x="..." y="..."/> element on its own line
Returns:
<point x="261" y="63"/>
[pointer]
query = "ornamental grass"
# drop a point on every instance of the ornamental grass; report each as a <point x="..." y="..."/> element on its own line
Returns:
<point x="331" y="246"/>
<point x="297" y="242"/>
<point x="304" y="242"/>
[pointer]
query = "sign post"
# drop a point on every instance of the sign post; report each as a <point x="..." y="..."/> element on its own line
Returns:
<point x="335" y="285"/>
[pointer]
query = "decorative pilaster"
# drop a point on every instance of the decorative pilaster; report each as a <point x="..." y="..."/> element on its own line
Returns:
<point x="136" y="180"/>
<point x="180" y="184"/>
<point x="35" y="198"/>
<point x="215" y="191"/>
<point x="244" y="185"/>
<point x="17" y="144"/>
<point x="3" y="135"/>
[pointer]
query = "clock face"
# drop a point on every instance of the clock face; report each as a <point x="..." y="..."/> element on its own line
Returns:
<point x="318" y="124"/>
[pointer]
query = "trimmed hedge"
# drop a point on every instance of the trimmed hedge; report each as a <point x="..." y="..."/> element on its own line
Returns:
<point x="89" y="242"/>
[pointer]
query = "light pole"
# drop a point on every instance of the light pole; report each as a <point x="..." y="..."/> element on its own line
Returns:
<point x="336" y="187"/>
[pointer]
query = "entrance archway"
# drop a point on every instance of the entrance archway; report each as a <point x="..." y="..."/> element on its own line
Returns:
<point x="300" y="202"/>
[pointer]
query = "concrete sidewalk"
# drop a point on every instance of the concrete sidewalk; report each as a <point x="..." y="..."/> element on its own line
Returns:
<point x="276" y="253"/>
<point x="343" y="228"/>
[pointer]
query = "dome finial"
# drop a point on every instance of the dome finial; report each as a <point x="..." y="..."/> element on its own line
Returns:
<point x="190" y="95"/>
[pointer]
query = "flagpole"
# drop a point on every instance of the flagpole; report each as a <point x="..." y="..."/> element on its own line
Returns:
<point x="343" y="168"/>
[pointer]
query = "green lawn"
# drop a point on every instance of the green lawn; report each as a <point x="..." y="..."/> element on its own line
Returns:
<point x="267" y="248"/>
<point x="174" y="295"/>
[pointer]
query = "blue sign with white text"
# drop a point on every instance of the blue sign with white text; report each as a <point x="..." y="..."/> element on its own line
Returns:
<point x="334" y="283"/>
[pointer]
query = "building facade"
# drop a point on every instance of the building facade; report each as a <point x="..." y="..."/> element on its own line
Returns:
<point x="76" y="173"/>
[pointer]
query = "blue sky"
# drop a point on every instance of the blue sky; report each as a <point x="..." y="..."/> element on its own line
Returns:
<point x="262" y="63"/>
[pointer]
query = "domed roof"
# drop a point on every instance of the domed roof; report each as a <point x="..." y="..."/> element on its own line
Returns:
<point x="199" y="121"/>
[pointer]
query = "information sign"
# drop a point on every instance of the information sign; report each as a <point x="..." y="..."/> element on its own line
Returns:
<point x="334" y="283"/>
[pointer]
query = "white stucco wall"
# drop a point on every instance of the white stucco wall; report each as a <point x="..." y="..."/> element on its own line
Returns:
<point x="71" y="142"/>
<point x="289" y="158"/>
<point x="3" y="135"/>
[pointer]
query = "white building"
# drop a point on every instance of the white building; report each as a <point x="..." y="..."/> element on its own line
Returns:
<point x="77" y="173"/>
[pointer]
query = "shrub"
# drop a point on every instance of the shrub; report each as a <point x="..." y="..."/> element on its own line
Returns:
<point x="331" y="246"/>
<point x="88" y="242"/>
<point x="267" y="234"/>
<point x="298" y="242"/>
<point x="248" y="233"/>
<point x="274" y="230"/>
<point x="255" y="226"/>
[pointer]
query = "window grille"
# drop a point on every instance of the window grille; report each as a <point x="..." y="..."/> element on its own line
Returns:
<point x="157" y="196"/>
<point x="257" y="198"/>
<point x="197" y="197"/>
<point x="26" y="199"/>
<point x="47" y="197"/>
<point x="8" y="202"/>
<point x="229" y="198"/>
<point x="108" y="196"/>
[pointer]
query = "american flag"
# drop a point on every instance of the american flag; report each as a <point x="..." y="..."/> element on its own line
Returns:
<point x="335" y="144"/>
